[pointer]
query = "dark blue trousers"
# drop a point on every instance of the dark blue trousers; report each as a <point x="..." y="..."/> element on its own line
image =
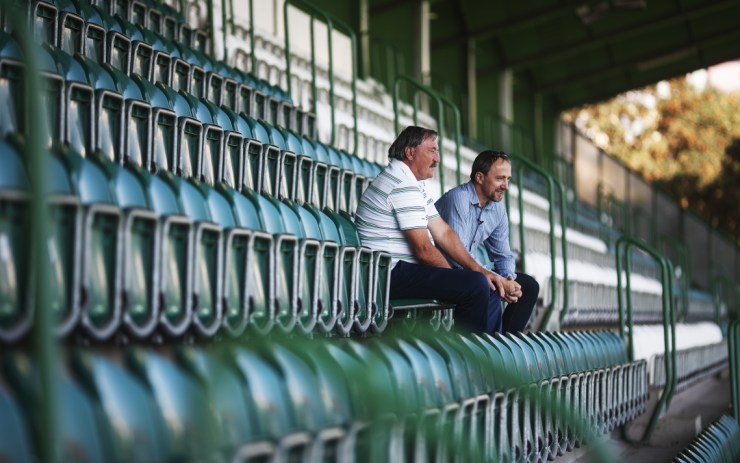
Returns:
<point x="517" y="314"/>
<point x="477" y="308"/>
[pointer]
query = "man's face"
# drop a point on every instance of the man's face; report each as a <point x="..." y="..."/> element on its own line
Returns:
<point x="494" y="184"/>
<point x="423" y="159"/>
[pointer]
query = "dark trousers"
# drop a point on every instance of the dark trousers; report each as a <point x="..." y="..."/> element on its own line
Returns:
<point x="477" y="308"/>
<point x="517" y="315"/>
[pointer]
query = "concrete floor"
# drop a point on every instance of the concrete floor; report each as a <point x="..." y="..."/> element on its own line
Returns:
<point x="690" y="411"/>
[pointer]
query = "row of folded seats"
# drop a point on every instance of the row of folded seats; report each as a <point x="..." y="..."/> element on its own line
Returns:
<point x="116" y="35"/>
<point x="172" y="216"/>
<point x="445" y="397"/>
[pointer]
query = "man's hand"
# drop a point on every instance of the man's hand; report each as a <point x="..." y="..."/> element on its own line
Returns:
<point x="496" y="282"/>
<point x="513" y="290"/>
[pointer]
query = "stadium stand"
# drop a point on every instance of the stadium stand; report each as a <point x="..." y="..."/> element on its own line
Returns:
<point x="212" y="301"/>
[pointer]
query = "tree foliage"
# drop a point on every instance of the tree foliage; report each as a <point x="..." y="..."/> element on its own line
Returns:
<point x="680" y="138"/>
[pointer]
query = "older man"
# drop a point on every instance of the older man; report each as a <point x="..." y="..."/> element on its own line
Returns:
<point x="396" y="215"/>
<point x="475" y="211"/>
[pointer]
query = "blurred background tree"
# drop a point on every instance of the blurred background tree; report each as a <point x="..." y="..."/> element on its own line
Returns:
<point x="680" y="136"/>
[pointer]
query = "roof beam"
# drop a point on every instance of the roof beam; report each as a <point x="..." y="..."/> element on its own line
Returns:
<point x="508" y="25"/>
<point x="563" y="50"/>
<point x="655" y="59"/>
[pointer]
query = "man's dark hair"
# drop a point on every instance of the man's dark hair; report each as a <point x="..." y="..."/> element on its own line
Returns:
<point x="485" y="160"/>
<point x="411" y="137"/>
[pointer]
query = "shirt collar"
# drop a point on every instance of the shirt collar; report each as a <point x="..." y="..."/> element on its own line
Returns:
<point x="471" y="195"/>
<point x="403" y="169"/>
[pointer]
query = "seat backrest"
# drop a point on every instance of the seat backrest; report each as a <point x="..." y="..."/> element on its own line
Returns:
<point x="15" y="445"/>
<point x="139" y="431"/>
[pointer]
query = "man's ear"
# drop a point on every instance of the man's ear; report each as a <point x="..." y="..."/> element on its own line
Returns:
<point x="407" y="152"/>
<point x="479" y="177"/>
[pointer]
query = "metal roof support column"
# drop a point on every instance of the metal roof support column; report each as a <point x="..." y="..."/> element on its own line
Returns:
<point x="506" y="106"/>
<point x="472" y="90"/>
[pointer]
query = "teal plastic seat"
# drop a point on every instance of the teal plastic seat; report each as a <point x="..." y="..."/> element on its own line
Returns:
<point x="83" y="432"/>
<point x="15" y="445"/>
<point x="299" y="169"/>
<point x="320" y="172"/>
<point x="226" y="395"/>
<point x="15" y="314"/>
<point x="190" y="419"/>
<point x="45" y="18"/>
<point x="362" y="289"/>
<point x="271" y="401"/>
<point x="138" y="428"/>
<point x="320" y="418"/>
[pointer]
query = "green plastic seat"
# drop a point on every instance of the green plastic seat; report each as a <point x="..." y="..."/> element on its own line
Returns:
<point x="15" y="442"/>
<point x="226" y="394"/>
<point x="15" y="314"/>
<point x="83" y="431"/>
<point x="190" y="420"/>
<point x="270" y="401"/>
<point x="138" y="428"/>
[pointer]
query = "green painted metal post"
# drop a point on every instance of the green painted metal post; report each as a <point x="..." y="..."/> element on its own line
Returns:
<point x="42" y="333"/>
<point x="623" y="248"/>
<point x="458" y="133"/>
<point x="440" y="118"/>
<point x="552" y="183"/>
<point x="330" y="21"/>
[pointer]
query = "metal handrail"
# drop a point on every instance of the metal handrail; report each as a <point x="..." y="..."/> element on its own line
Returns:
<point x="42" y="333"/>
<point x="458" y="131"/>
<point x="552" y="183"/>
<point x="330" y="21"/>
<point x="734" y="350"/>
<point x="682" y="251"/>
<point x="623" y="246"/>
<point x="720" y="281"/>
<point x="440" y="115"/>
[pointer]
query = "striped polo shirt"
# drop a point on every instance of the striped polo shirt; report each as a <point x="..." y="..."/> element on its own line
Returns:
<point x="394" y="202"/>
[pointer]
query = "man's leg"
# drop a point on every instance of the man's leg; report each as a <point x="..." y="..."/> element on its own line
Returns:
<point x="494" y="324"/>
<point x="467" y="289"/>
<point x="517" y="314"/>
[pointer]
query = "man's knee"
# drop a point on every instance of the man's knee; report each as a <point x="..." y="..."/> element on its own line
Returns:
<point x="528" y="283"/>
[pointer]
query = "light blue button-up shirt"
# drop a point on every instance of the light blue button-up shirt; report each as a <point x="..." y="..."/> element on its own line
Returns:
<point x="474" y="224"/>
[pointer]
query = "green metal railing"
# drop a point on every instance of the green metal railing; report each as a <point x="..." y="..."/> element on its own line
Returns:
<point x="626" y="327"/>
<point x="733" y="344"/>
<point x="330" y="22"/>
<point x="252" y="57"/>
<point x="441" y="102"/>
<point x="552" y="185"/>
<point x="681" y="251"/>
<point x="722" y="284"/>
<point x="43" y="340"/>
<point x="458" y="133"/>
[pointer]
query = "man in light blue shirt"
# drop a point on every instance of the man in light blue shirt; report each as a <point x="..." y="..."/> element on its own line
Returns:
<point x="477" y="214"/>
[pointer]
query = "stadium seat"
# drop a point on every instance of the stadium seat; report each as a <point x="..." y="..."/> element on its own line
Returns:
<point x="83" y="431"/>
<point x="15" y="289"/>
<point x="226" y="394"/>
<point x="190" y="420"/>
<point x="15" y="445"/>
<point x="270" y="402"/>
<point x="139" y="431"/>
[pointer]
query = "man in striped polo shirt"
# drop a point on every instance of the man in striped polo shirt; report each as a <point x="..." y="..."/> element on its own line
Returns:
<point x="396" y="215"/>
<point x="477" y="214"/>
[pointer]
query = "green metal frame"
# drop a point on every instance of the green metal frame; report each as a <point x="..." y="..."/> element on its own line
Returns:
<point x="720" y="281"/>
<point x="441" y="103"/>
<point x="734" y="348"/>
<point x="552" y="184"/>
<point x="682" y="251"/>
<point x="43" y="338"/>
<point x="330" y="21"/>
<point x="252" y="58"/>
<point x="624" y="246"/>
